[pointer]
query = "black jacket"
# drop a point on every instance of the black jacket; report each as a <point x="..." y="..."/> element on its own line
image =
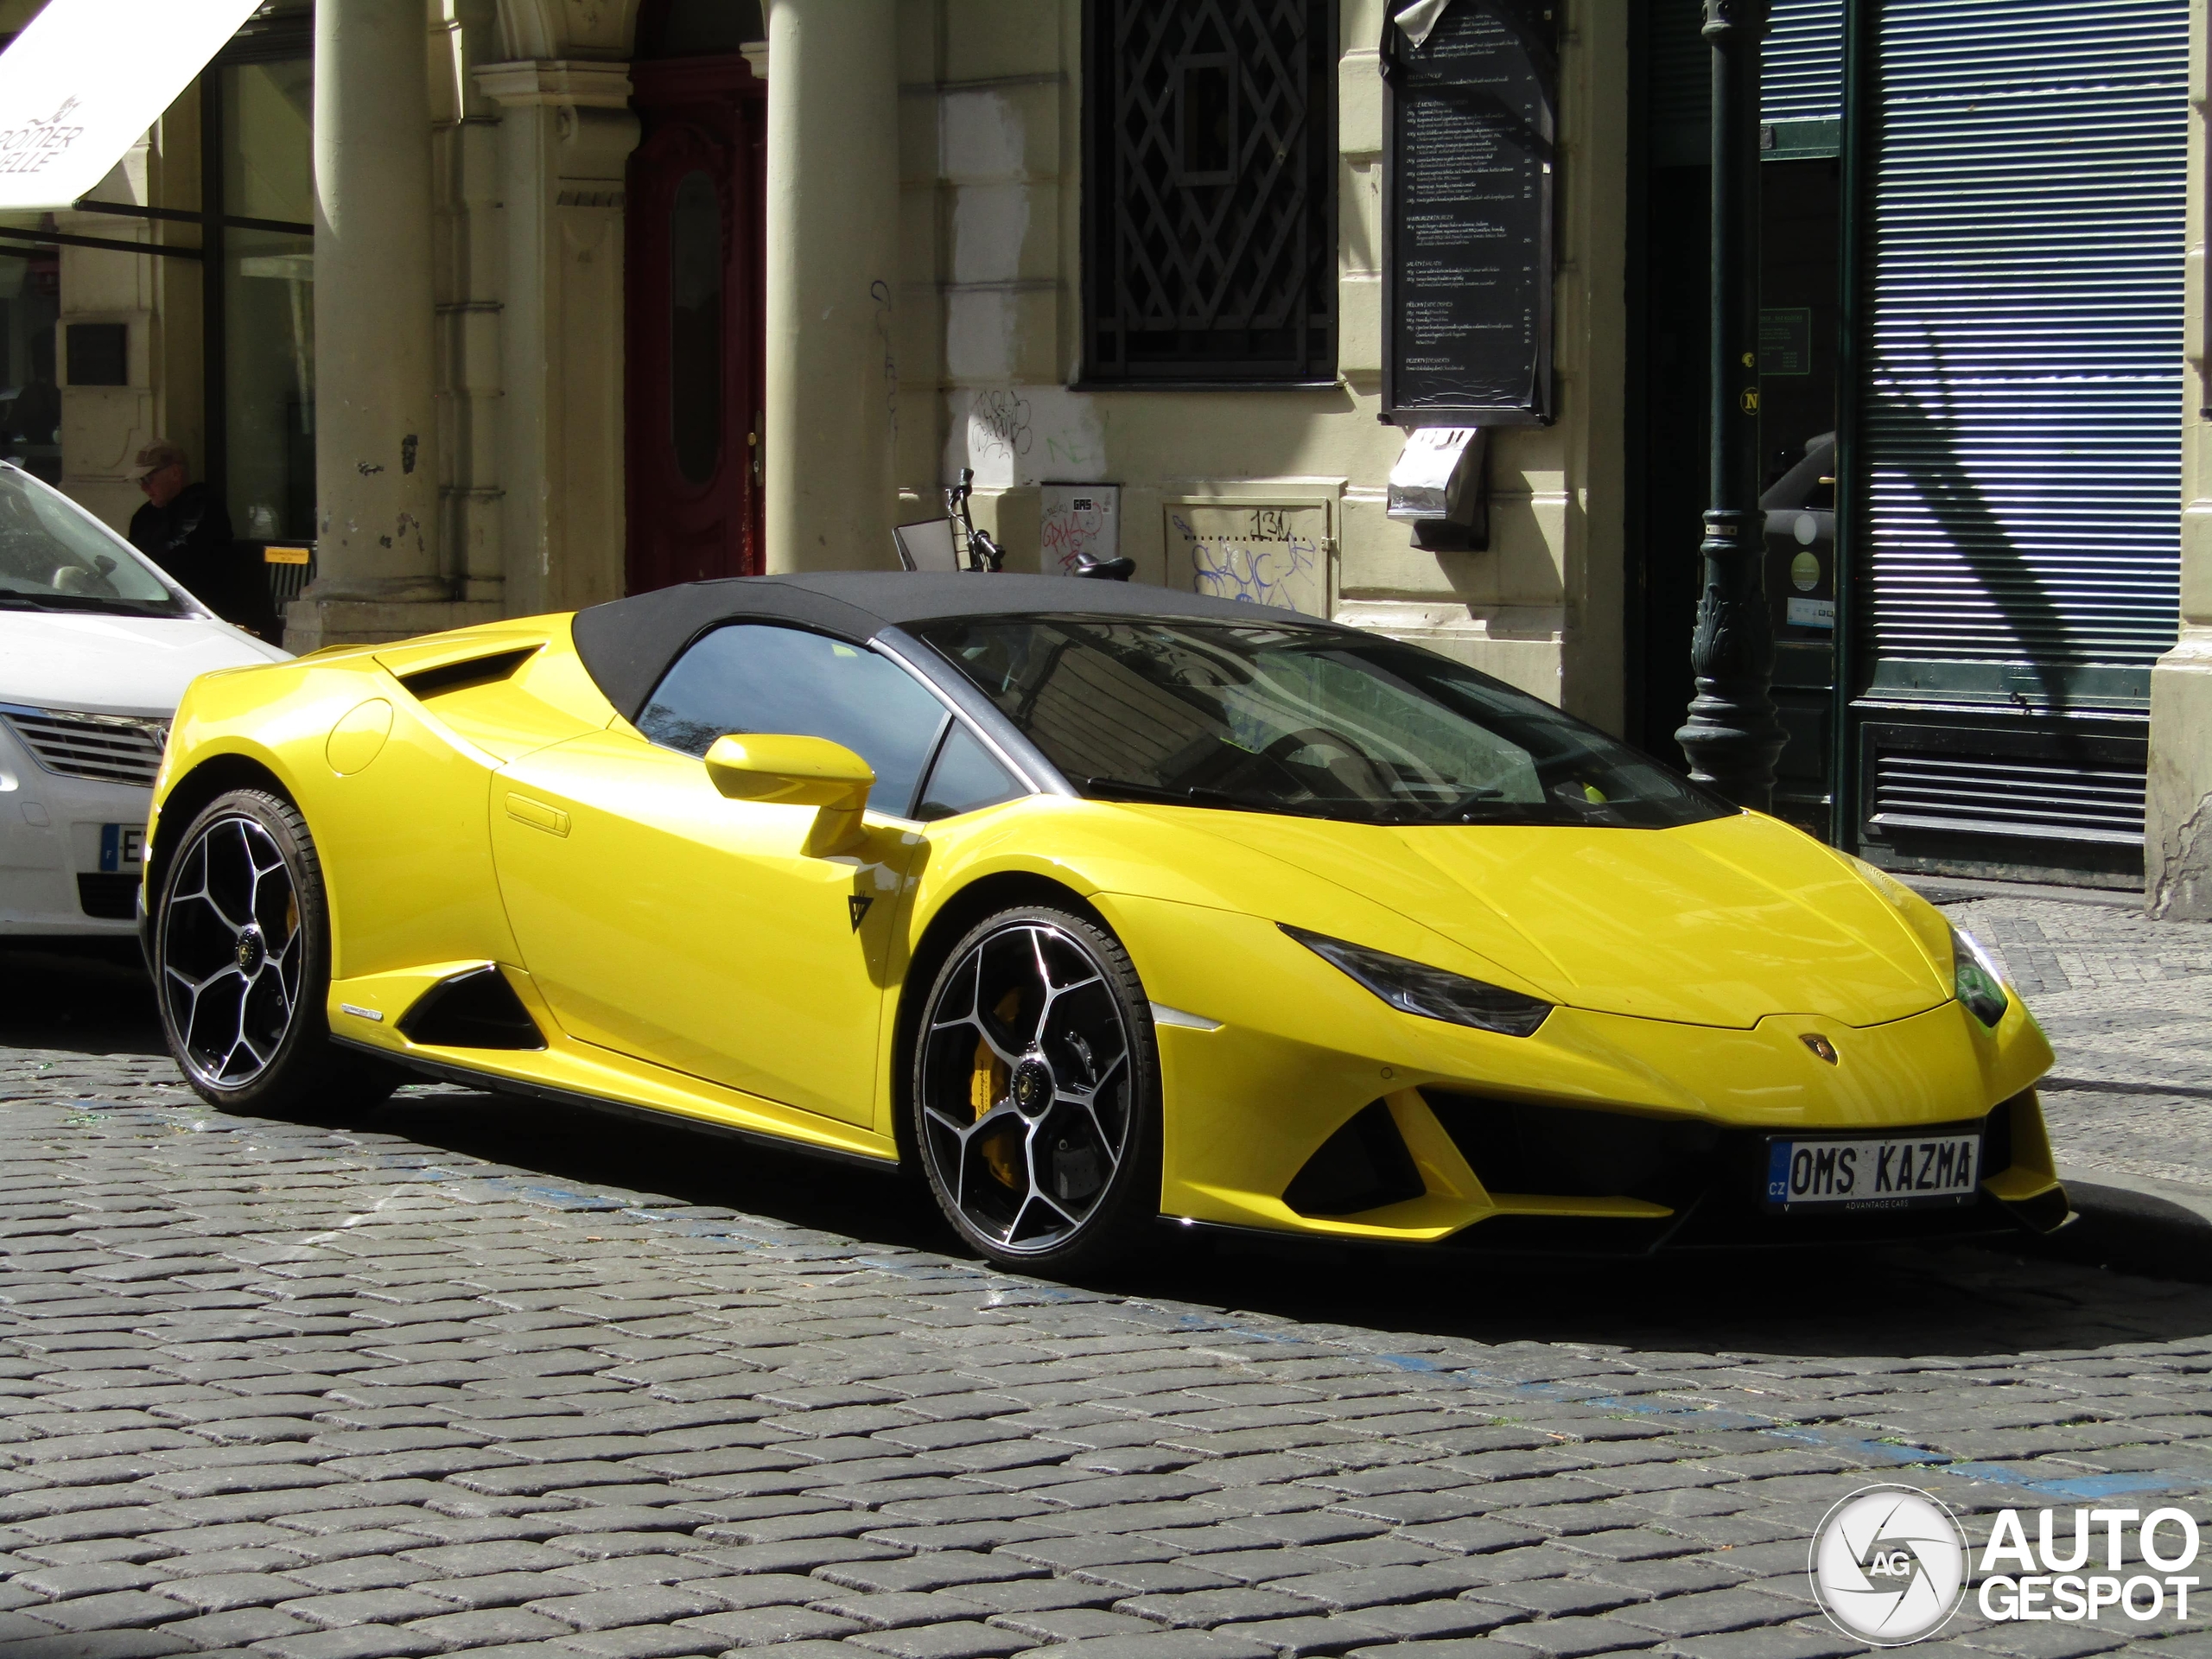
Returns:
<point x="190" y="539"/>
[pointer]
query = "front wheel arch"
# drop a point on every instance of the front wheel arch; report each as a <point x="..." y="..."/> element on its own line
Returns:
<point x="959" y="912"/>
<point x="212" y="778"/>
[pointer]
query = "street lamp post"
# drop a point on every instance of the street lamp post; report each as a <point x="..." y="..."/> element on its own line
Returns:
<point x="1732" y="736"/>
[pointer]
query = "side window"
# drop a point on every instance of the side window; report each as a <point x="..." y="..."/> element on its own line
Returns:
<point x="755" y="677"/>
<point x="965" y="778"/>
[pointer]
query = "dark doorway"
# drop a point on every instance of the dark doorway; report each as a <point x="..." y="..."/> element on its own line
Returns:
<point x="695" y="267"/>
<point x="1800" y="287"/>
<point x="1799" y="282"/>
<point x="1676" y="283"/>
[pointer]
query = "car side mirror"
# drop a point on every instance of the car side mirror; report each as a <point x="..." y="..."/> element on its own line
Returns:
<point x="784" y="770"/>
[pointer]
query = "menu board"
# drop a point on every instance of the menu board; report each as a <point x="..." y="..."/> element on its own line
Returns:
<point x="1467" y="203"/>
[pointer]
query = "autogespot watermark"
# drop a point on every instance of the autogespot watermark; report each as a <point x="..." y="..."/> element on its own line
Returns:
<point x="1888" y="1564"/>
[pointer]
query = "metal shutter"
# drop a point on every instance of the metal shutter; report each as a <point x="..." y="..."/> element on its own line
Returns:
<point x="1800" y="74"/>
<point x="1681" y="65"/>
<point x="2018" y="460"/>
<point x="2021" y="434"/>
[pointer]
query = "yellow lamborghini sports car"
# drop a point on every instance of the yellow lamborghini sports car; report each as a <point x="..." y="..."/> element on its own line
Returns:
<point x="1099" y="903"/>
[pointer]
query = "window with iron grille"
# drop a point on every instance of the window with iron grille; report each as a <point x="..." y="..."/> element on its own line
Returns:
<point x="1210" y="192"/>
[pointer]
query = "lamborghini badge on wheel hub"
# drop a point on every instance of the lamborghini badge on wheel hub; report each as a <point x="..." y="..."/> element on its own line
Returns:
<point x="1032" y="1086"/>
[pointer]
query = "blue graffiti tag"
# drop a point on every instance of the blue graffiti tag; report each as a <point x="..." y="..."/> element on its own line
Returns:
<point x="1271" y="574"/>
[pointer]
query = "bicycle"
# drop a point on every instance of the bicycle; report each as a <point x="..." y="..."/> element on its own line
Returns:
<point x="953" y="542"/>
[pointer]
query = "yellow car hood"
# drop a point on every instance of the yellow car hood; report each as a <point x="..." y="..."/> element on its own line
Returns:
<point x="1715" y="924"/>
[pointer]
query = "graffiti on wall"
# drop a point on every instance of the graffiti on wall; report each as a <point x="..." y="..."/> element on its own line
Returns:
<point x="1015" y="435"/>
<point x="1272" y="554"/>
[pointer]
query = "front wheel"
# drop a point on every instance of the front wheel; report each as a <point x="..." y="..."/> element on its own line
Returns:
<point x="242" y="955"/>
<point x="1035" y="1094"/>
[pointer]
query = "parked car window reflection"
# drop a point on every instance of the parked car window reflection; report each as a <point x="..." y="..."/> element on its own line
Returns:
<point x="753" y="677"/>
<point x="1310" y="721"/>
<point x="55" y="557"/>
<point x="965" y="778"/>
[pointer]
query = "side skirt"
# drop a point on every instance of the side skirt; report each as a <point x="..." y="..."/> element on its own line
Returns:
<point x="446" y="1072"/>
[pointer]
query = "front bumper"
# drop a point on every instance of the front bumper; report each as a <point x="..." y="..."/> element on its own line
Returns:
<point x="55" y="882"/>
<point x="1709" y="1190"/>
<point x="1314" y="1108"/>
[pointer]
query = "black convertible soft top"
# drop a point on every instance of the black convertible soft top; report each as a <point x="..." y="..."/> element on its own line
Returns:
<point x="628" y="644"/>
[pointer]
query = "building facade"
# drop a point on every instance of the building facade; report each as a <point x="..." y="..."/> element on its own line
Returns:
<point x="601" y="295"/>
<point x="1975" y="309"/>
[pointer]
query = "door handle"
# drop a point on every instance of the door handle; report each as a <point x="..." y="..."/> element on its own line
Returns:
<point x="537" y="814"/>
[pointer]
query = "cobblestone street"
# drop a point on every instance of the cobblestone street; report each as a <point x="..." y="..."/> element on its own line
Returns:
<point x="2128" y="1005"/>
<point x="485" y="1375"/>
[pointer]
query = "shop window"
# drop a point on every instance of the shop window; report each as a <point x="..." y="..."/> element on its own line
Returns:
<point x="264" y="110"/>
<point x="1210" y="192"/>
<point x="30" y="391"/>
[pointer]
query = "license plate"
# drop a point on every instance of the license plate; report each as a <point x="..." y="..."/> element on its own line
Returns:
<point x="1892" y="1172"/>
<point x="123" y="848"/>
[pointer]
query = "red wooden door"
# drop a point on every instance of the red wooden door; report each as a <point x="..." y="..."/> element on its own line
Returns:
<point x="696" y="232"/>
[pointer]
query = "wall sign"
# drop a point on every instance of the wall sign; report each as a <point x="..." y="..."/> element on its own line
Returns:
<point x="1469" y="107"/>
<point x="1785" y="341"/>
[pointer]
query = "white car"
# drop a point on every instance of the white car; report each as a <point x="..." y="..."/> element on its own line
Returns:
<point x="96" y="647"/>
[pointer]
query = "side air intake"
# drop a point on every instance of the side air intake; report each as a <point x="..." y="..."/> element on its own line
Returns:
<point x="429" y="682"/>
<point x="1519" y="1146"/>
<point x="1364" y="1166"/>
<point x="477" y="1009"/>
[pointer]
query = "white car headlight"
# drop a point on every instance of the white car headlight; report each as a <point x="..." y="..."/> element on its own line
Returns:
<point x="1976" y="979"/>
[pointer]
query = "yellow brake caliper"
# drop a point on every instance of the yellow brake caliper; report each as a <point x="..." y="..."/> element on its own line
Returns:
<point x="987" y="1086"/>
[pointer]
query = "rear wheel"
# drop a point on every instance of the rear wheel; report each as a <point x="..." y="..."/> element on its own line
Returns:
<point x="242" y="955"/>
<point x="1036" y="1093"/>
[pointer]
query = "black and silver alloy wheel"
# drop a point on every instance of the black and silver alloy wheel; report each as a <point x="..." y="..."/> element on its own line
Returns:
<point x="231" y="952"/>
<point x="1036" y="1091"/>
<point x="241" y="950"/>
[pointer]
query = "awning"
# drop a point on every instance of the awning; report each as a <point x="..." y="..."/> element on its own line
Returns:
<point x="79" y="86"/>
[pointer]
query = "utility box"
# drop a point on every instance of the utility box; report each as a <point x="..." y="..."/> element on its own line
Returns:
<point x="1078" y="522"/>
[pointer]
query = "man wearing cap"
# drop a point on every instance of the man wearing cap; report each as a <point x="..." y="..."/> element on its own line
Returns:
<point x="185" y="530"/>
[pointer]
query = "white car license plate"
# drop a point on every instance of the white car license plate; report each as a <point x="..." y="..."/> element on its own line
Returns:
<point x="1893" y="1173"/>
<point x="123" y="848"/>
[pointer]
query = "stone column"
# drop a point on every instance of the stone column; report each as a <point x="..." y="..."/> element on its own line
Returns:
<point x="833" y="283"/>
<point x="378" y="573"/>
<point x="2178" y="832"/>
<point x="566" y="134"/>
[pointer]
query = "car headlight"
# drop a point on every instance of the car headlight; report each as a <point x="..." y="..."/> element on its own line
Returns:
<point x="1976" y="977"/>
<point x="1413" y="987"/>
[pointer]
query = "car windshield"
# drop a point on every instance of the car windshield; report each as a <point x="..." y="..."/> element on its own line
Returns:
<point x="54" y="556"/>
<point x="1310" y="721"/>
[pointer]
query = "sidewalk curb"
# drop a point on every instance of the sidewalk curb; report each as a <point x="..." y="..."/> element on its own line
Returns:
<point x="2136" y="1224"/>
<point x="2197" y="1200"/>
<point x="1965" y="890"/>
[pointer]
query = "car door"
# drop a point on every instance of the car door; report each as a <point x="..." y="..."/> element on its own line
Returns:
<point x="662" y="921"/>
